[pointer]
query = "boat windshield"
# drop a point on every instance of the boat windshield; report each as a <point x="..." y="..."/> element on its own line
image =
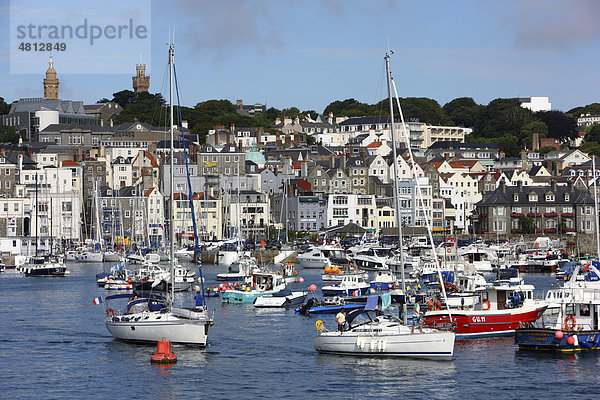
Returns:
<point x="361" y="317"/>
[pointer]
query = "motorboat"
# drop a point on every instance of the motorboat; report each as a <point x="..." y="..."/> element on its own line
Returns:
<point x="184" y="255"/>
<point x="499" y="310"/>
<point x="44" y="266"/>
<point x="256" y="285"/>
<point x="329" y="305"/>
<point x="384" y="280"/>
<point x="351" y="285"/>
<point x="323" y="256"/>
<point x="575" y="326"/>
<point x="246" y="266"/>
<point x="337" y="273"/>
<point x="373" y="259"/>
<point x="89" y="255"/>
<point x="283" y="298"/>
<point x="289" y="272"/>
<point x="369" y="331"/>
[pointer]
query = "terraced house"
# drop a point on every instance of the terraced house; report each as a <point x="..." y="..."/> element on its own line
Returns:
<point x="535" y="209"/>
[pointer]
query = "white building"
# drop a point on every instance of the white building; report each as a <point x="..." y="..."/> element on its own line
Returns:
<point x="535" y="104"/>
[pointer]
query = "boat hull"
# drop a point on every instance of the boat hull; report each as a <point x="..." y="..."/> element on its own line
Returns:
<point x="169" y="327"/>
<point x="89" y="257"/>
<point x="313" y="263"/>
<point x="282" y="301"/>
<point x="333" y="291"/>
<point x="239" y="297"/>
<point x="433" y="346"/>
<point x="545" y="339"/>
<point x="46" y="271"/>
<point x="471" y="324"/>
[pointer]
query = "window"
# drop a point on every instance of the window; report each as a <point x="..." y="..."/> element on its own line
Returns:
<point x="549" y="197"/>
<point x="533" y="197"/>
<point x="7" y="171"/>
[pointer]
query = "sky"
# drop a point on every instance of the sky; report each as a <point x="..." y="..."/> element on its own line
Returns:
<point x="309" y="53"/>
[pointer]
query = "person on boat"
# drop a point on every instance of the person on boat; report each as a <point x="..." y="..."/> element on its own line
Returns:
<point x="438" y="305"/>
<point x="417" y="316"/>
<point x="340" y="318"/>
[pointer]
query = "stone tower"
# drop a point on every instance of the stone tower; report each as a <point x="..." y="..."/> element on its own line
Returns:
<point x="141" y="82"/>
<point x="51" y="82"/>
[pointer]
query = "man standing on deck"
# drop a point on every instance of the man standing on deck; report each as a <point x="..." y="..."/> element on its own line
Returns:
<point x="417" y="316"/>
<point x="340" y="318"/>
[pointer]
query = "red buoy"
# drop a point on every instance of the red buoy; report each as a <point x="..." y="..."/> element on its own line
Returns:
<point x="163" y="353"/>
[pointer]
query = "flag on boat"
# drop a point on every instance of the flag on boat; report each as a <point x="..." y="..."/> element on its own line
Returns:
<point x="97" y="300"/>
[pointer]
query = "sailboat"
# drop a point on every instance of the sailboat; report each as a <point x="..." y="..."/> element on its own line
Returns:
<point x="154" y="317"/>
<point x="370" y="331"/>
<point x="43" y="265"/>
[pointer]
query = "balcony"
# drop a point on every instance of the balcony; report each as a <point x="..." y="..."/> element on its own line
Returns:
<point x="568" y="215"/>
<point x="534" y="215"/>
<point x="570" y="230"/>
<point x="550" y="215"/>
<point x="550" y="230"/>
<point x="516" y="215"/>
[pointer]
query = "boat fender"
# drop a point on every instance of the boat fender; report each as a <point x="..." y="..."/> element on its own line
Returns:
<point x="597" y="340"/>
<point x="383" y="345"/>
<point x="586" y="344"/>
<point x="373" y="344"/>
<point x="110" y="312"/>
<point x="320" y="326"/>
<point x="485" y="305"/>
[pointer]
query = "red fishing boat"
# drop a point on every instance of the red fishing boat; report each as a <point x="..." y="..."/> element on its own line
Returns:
<point x="500" y="310"/>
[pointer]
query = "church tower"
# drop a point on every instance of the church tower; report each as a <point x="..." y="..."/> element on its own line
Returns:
<point x="141" y="82"/>
<point x="51" y="82"/>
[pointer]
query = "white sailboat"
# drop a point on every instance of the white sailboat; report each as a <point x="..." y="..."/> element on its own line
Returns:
<point x="155" y="318"/>
<point x="369" y="331"/>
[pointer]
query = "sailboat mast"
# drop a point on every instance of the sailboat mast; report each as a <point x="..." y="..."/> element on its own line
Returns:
<point x="172" y="230"/>
<point x="396" y="197"/>
<point x="596" y="206"/>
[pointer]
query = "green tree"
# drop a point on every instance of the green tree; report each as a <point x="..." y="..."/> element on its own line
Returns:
<point x="4" y="108"/>
<point x="463" y="111"/>
<point x="593" y="109"/>
<point x="501" y="117"/>
<point x="591" y="148"/>
<point x="529" y="129"/>
<point x="560" y="125"/>
<point x="526" y="224"/>
<point x="8" y="134"/>
<point x="592" y="133"/>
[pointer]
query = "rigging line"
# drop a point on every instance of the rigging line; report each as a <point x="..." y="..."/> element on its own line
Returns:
<point x="428" y="223"/>
<point x="198" y="258"/>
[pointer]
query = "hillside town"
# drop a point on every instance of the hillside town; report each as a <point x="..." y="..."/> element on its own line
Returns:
<point x="76" y="175"/>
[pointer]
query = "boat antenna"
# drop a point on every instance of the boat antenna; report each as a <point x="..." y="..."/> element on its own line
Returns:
<point x="396" y="198"/>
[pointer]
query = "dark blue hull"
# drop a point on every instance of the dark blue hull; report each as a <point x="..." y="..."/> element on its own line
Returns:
<point x="545" y="339"/>
<point x="332" y="309"/>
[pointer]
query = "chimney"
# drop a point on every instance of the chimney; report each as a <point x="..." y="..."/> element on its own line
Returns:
<point x="232" y="128"/>
<point x="332" y="161"/>
<point x="111" y="123"/>
<point x="20" y="164"/>
<point x="304" y="169"/>
<point x="277" y="121"/>
<point x="288" y="140"/>
<point x="101" y="122"/>
<point x="535" y="146"/>
<point x="503" y="186"/>
<point x="228" y="138"/>
<point x="343" y="163"/>
<point x="554" y="186"/>
<point x="239" y="104"/>
<point x="330" y="118"/>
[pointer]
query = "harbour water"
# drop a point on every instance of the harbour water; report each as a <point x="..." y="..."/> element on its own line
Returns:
<point x="55" y="345"/>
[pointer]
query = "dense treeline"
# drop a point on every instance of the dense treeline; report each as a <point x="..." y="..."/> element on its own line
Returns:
<point x="502" y="121"/>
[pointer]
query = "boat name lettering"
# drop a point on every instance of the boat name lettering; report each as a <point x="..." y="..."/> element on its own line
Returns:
<point x="478" y="319"/>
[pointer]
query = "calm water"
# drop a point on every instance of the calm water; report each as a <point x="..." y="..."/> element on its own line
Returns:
<point x="55" y="345"/>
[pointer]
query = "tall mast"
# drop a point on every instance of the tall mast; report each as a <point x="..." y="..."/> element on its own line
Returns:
<point x="396" y="198"/>
<point x="596" y="205"/>
<point x="172" y="230"/>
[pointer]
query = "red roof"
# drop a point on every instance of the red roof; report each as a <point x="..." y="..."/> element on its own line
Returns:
<point x="148" y="192"/>
<point x="69" y="163"/>
<point x="374" y="145"/>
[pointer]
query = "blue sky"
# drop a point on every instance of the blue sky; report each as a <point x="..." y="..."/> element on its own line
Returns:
<point x="309" y="53"/>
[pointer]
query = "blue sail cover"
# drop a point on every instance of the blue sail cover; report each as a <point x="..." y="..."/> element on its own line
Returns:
<point x="372" y="301"/>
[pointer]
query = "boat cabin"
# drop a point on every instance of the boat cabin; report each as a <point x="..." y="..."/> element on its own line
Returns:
<point x="580" y="312"/>
<point x="505" y="297"/>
